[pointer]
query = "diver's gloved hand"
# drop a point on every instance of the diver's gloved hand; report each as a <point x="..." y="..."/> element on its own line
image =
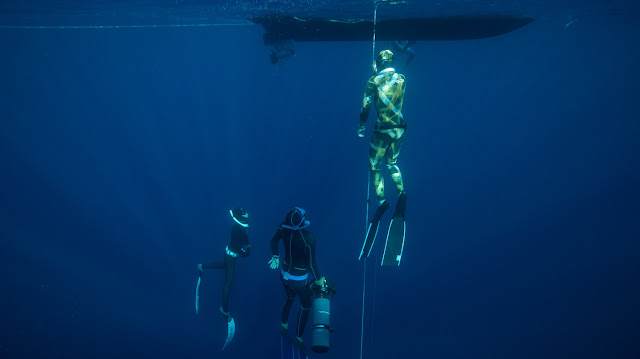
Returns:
<point x="274" y="262"/>
<point x="200" y="269"/>
<point x="361" y="131"/>
<point x="246" y="251"/>
<point x="321" y="282"/>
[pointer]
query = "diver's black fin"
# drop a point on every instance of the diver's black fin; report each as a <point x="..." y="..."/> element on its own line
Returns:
<point x="291" y="348"/>
<point x="372" y="231"/>
<point x="395" y="237"/>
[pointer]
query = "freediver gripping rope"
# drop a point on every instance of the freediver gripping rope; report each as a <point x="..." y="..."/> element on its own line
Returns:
<point x="366" y="219"/>
<point x="366" y="222"/>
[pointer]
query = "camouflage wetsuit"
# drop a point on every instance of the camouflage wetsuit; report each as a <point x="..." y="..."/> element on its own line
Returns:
<point x="386" y="91"/>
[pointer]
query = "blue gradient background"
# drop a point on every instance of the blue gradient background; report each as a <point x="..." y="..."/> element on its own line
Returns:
<point x="122" y="150"/>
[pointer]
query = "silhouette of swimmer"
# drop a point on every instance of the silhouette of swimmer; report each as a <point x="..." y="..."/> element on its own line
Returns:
<point x="405" y="47"/>
<point x="281" y="50"/>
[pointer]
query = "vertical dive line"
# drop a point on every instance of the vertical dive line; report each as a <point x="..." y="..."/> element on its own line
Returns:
<point x="373" y="47"/>
<point x="366" y="219"/>
<point x="364" y="285"/>
<point x="364" y="272"/>
<point x="373" y="305"/>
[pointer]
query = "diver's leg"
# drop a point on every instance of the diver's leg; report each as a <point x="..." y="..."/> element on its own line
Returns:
<point x="286" y="307"/>
<point x="377" y="150"/>
<point x="304" y="292"/>
<point x="230" y="269"/>
<point x="392" y="157"/>
<point x="411" y="54"/>
<point x="213" y="265"/>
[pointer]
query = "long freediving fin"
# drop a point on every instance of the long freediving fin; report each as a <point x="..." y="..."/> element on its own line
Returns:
<point x="395" y="237"/>
<point x="372" y="230"/>
<point x="231" y="331"/>
<point x="198" y="293"/>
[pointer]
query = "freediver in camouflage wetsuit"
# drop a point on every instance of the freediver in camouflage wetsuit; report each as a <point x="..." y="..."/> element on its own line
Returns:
<point x="386" y="91"/>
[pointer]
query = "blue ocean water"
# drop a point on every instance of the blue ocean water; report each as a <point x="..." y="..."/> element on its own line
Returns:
<point x="122" y="149"/>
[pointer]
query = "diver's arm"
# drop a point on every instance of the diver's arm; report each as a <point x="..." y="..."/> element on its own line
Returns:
<point x="364" y="114"/>
<point x="366" y="106"/>
<point x="239" y="242"/>
<point x="274" y="262"/>
<point x="310" y="251"/>
<point x="312" y="265"/>
<point x="246" y="250"/>
<point x="367" y="101"/>
<point x="274" y="241"/>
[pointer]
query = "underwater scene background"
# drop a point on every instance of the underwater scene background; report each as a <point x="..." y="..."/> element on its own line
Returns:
<point x="123" y="146"/>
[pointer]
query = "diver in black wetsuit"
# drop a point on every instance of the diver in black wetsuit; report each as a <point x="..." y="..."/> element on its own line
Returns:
<point x="405" y="47"/>
<point x="238" y="247"/>
<point x="299" y="261"/>
<point x="281" y="50"/>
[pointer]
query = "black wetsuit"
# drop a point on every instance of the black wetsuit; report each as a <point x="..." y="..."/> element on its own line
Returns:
<point x="299" y="261"/>
<point x="238" y="247"/>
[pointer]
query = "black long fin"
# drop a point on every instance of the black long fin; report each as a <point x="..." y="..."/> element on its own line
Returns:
<point x="290" y="347"/>
<point x="401" y="206"/>
<point x="395" y="237"/>
<point x="372" y="230"/>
